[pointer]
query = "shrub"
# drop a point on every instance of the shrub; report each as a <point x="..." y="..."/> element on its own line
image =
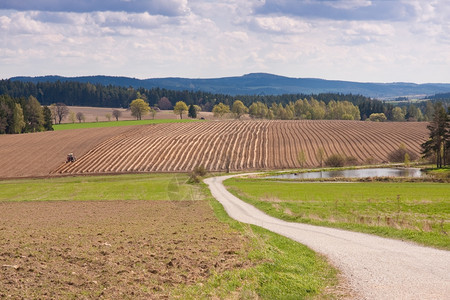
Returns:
<point x="199" y="171"/>
<point x="398" y="155"/>
<point x="351" y="161"/>
<point x="335" y="160"/>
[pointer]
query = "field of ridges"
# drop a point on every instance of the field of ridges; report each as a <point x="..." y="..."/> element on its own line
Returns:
<point x="217" y="145"/>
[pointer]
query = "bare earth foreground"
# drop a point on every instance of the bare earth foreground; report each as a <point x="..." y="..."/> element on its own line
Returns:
<point x="377" y="268"/>
<point x="217" y="145"/>
<point x="111" y="249"/>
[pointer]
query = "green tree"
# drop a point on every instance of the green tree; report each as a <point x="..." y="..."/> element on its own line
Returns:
<point x="320" y="155"/>
<point x="139" y="108"/>
<point x="108" y="116"/>
<point x="377" y="117"/>
<point x="258" y="110"/>
<point x="180" y="108"/>
<point x="48" y="124"/>
<point x="397" y="114"/>
<point x="192" y="113"/>
<point x="18" y="121"/>
<point x="34" y="115"/>
<point x="153" y="112"/>
<point x="438" y="143"/>
<point x="238" y="109"/>
<point x="219" y="110"/>
<point x="407" y="160"/>
<point x="429" y="111"/>
<point x="72" y="116"/>
<point x="5" y="117"/>
<point x="198" y="109"/>
<point x="301" y="157"/>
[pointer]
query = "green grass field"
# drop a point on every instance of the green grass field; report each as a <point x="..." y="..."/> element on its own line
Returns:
<point x="120" y="187"/>
<point x="66" y="126"/>
<point x="418" y="212"/>
<point x="275" y="268"/>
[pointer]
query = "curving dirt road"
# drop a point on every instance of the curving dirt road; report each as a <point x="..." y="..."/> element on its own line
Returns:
<point x="376" y="268"/>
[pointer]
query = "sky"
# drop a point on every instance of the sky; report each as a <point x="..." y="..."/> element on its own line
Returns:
<point x="355" y="40"/>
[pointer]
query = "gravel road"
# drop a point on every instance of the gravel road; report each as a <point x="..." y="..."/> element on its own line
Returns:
<point x="376" y="268"/>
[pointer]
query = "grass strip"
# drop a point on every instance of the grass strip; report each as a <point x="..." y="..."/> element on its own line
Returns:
<point x="111" y="187"/>
<point x="418" y="211"/>
<point x="67" y="126"/>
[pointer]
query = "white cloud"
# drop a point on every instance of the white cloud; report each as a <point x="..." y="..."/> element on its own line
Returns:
<point x="285" y="25"/>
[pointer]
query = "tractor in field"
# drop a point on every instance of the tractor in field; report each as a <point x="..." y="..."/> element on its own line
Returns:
<point x="70" y="158"/>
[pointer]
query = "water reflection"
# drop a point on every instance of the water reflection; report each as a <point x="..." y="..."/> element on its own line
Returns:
<point x="360" y="173"/>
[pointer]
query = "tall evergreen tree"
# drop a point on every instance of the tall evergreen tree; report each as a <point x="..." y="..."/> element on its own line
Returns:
<point x="48" y="124"/>
<point x="192" y="113"/>
<point x="438" y="143"/>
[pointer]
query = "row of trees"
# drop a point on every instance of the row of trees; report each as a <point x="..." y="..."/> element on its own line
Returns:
<point x="98" y="95"/>
<point x="298" y="110"/>
<point x="139" y="108"/>
<point x="20" y="115"/>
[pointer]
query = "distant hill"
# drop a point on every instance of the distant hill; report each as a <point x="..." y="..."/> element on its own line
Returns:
<point x="262" y="84"/>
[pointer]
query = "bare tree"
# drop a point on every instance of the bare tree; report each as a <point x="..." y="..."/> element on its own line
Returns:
<point x="116" y="114"/>
<point x="60" y="111"/>
<point x="80" y="116"/>
<point x="164" y="104"/>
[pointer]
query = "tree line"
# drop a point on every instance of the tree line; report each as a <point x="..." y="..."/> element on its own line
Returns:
<point x="303" y="110"/>
<point x="98" y="95"/>
<point x="21" y="115"/>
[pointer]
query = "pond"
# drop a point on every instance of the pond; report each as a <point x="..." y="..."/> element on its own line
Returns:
<point x="359" y="173"/>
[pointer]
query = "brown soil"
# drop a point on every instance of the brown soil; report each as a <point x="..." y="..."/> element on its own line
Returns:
<point x="111" y="249"/>
<point x="217" y="145"/>
<point x="37" y="154"/>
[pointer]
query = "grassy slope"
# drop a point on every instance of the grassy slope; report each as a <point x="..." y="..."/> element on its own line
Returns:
<point x="418" y="212"/>
<point x="281" y="267"/>
<point x="117" y="123"/>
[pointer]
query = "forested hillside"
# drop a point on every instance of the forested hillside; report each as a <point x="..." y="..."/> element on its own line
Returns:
<point x="99" y="95"/>
<point x="260" y="84"/>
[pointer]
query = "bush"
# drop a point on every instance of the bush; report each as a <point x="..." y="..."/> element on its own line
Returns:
<point x="339" y="160"/>
<point x="196" y="174"/>
<point x="398" y="155"/>
<point x="351" y="161"/>
<point x="200" y="171"/>
<point x="335" y="160"/>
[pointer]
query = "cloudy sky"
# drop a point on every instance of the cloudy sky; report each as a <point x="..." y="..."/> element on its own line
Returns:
<point x="357" y="40"/>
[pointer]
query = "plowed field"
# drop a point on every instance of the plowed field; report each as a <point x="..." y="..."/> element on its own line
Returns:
<point x="111" y="249"/>
<point x="239" y="145"/>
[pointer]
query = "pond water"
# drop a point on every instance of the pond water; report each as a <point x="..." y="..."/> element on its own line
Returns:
<point x="359" y="173"/>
